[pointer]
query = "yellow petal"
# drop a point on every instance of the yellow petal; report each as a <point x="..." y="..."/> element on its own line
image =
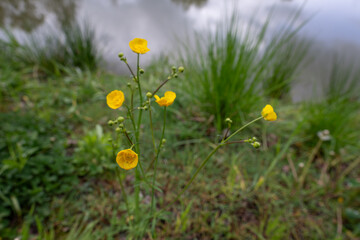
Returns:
<point x="268" y="113"/>
<point x="127" y="159"/>
<point x="139" y="45"/>
<point x="170" y="95"/>
<point x="115" y="99"/>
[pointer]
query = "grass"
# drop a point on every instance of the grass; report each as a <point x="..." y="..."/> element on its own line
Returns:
<point x="229" y="72"/>
<point x="59" y="181"/>
<point x="74" y="46"/>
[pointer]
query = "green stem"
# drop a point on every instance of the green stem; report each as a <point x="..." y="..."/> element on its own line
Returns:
<point x="140" y="96"/>
<point x="137" y="147"/>
<point x="155" y="168"/>
<point x="123" y="190"/>
<point x="196" y="173"/>
<point x="240" y="129"/>
<point x="209" y="156"/>
<point x="151" y="126"/>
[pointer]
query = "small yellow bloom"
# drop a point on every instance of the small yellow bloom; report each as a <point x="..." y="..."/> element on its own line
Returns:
<point x="268" y="113"/>
<point x="139" y="45"/>
<point x="127" y="159"/>
<point x="115" y="99"/>
<point x="167" y="100"/>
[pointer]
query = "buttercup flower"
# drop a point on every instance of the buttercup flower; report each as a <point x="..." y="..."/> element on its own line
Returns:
<point x="139" y="45"/>
<point x="268" y="113"/>
<point x="127" y="159"/>
<point x="115" y="99"/>
<point x="167" y="100"/>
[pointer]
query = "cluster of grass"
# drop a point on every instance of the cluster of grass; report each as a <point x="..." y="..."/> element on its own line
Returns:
<point x="232" y="70"/>
<point x="58" y="179"/>
<point x="74" y="46"/>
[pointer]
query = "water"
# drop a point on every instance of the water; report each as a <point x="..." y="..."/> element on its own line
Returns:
<point x="334" y="25"/>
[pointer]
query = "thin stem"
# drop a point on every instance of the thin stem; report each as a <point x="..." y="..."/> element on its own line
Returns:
<point x="196" y="173"/>
<point x="123" y="190"/>
<point x="151" y="125"/>
<point x="132" y="73"/>
<point x="126" y="134"/>
<point x="155" y="168"/>
<point x="137" y="147"/>
<point x="308" y="163"/>
<point x="140" y="95"/>
<point x="240" y="129"/>
<point x="209" y="156"/>
<point x="226" y="133"/>
<point x="240" y="141"/>
<point x="162" y="84"/>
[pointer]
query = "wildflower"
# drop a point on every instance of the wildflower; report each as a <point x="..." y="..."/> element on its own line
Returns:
<point x="115" y="99"/>
<point x="139" y="45"/>
<point x="324" y="135"/>
<point x="167" y="100"/>
<point x="127" y="159"/>
<point x="268" y="113"/>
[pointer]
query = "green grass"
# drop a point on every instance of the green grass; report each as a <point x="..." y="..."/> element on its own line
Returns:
<point x="49" y="54"/>
<point x="58" y="179"/>
<point x="229" y="73"/>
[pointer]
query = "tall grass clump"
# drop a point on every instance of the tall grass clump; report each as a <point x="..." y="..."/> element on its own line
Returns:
<point x="81" y="49"/>
<point x="51" y="53"/>
<point x="343" y="82"/>
<point x="229" y="70"/>
<point x="338" y="112"/>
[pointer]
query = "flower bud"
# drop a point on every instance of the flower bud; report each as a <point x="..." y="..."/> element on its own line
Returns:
<point x="256" y="144"/>
<point x="173" y="68"/>
<point x="181" y="69"/>
<point x="129" y="84"/>
<point x="141" y="71"/>
<point x="145" y="108"/>
<point x="228" y="121"/>
<point x="121" y="55"/>
<point x="149" y="95"/>
<point x="118" y="130"/>
<point x="110" y="140"/>
<point x="115" y="122"/>
<point x="120" y="119"/>
<point x="169" y="77"/>
<point x="163" y="141"/>
<point x="121" y="125"/>
<point x="175" y="75"/>
<point x="110" y="123"/>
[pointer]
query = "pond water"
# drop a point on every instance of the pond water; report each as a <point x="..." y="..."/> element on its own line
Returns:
<point x="334" y="25"/>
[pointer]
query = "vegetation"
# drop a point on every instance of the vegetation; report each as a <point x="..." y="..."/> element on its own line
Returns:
<point x="59" y="179"/>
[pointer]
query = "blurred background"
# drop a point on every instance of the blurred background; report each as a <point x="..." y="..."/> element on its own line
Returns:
<point x="59" y="59"/>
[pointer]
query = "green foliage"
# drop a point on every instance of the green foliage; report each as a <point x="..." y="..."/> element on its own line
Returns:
<point x="93" y="154"/>
<point x="49" y="54"/>
<point x="339" y="117"/>
<point x="34" y="165"/>
<point x="229" y="72"/>
<point x="343" y="82"/>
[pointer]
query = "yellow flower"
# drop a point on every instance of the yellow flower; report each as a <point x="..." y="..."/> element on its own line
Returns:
<point x="139" y="45"/>
<point x="167" y="100"/>
<point x="115" y="99"/>
<point x="127" y="159"/>
<point x="268" y="113"/>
